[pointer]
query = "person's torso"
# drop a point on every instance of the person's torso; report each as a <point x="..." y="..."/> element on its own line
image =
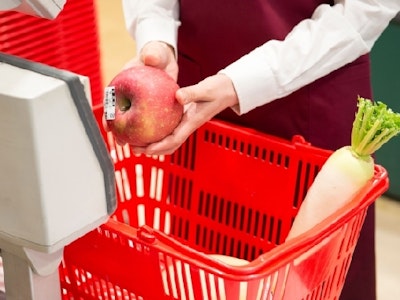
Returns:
<point x="215" y="33"/>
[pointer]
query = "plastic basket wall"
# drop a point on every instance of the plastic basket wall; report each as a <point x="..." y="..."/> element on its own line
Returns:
<point x="226" y="191"/>
<point x="69" y="42"/>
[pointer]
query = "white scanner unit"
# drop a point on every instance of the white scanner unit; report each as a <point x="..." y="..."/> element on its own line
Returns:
<point x="56" y="177"/>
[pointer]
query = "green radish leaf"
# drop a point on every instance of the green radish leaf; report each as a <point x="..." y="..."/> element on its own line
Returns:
<point x="374" y="125"/>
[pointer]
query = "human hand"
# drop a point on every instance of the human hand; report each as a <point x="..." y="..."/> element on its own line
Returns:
<point x="159" y="55"/>
<point x="202" y="102"/>
<point x="156" y="54"/>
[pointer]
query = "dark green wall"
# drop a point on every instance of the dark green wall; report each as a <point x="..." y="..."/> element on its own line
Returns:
<point x="385" y="57"/>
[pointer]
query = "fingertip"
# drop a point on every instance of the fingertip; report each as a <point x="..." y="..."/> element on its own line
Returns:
<point x="137" y="150"/>
<point x="181" y="96"/>
<point x="150" y="59"/>
<point x="153" y="55"/>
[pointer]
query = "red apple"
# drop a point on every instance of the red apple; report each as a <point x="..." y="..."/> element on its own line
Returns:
<point x="146" y="110"/>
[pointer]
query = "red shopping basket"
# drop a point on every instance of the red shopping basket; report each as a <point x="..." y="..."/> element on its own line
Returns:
<point x="227" y="190"/>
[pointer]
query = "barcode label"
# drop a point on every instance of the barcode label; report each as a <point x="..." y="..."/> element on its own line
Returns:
<point x="109" y="103"/>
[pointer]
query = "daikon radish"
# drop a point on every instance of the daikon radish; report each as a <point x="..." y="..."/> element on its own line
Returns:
<point x="234" y="261"/>
<point x="179" y="272"/>
<point x="349" y="168"/>
<point x="182" y="274"/>
<point x="230" y="260"/>
<point x="244" y="286"/>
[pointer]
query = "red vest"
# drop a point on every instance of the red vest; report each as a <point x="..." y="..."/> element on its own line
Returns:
<point x="215" y="33"/>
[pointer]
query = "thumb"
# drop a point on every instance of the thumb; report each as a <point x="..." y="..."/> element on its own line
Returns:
<point x="154" y="54"/>
<point x="202" y="91"/>
<point x="188" y="94"/>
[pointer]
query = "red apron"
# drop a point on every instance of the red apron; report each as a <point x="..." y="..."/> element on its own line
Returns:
<point x="215" y="33"/>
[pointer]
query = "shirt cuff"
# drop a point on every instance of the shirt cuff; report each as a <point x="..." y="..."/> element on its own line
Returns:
<point x="156" y="29"/>
<point x="253" y="80"/>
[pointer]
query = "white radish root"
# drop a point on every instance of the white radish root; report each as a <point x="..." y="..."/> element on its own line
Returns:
<point x="349" y="168"/>
<point x="340" y="178"/>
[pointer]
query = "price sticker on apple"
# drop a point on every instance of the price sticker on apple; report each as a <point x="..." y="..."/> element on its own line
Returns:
<point x="109" y="103"/>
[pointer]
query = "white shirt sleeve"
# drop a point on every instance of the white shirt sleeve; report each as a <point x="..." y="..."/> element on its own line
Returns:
<point x="152" y="20"/>
<point x="334" y="36"/>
